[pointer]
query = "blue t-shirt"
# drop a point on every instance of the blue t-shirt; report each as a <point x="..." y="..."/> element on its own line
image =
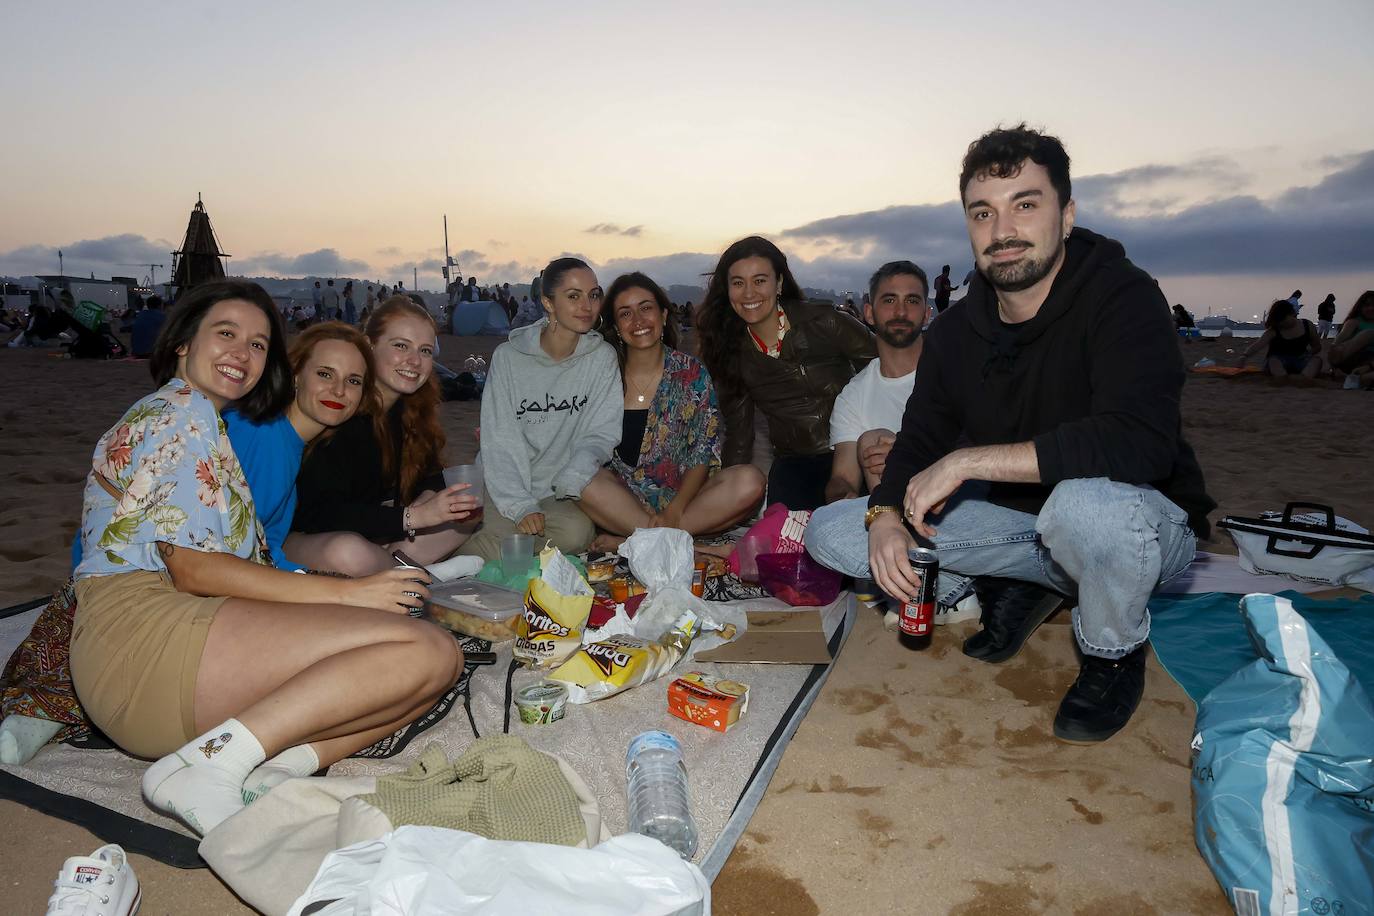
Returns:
<point x="147" y="324"/>
<point x="270" y="453"/>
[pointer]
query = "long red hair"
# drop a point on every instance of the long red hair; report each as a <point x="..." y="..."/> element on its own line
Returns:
<point x="423" y="436"/>
<point x="305" y="344"/>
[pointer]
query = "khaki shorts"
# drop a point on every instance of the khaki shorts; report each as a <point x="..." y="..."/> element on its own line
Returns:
<point x="136" y="647"/>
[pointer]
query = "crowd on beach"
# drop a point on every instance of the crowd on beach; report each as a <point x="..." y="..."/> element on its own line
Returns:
<point x="240" y="615"/>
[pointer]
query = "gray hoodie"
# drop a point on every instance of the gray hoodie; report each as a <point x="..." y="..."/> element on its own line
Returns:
<point x="547" y="427"/>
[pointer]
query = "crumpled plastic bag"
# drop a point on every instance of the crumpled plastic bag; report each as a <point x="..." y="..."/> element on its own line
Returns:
<point x="662" y="559"/>
<point x="439" y="872"/>
<point x="1283" y="774"/>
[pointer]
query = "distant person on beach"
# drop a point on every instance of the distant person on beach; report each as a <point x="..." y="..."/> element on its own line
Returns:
<point x="317" y="300"/>
<point x="350" y="311"/>
<point x="1295" y="300"/>
<point x="943" y="288"/>
<point x="330" y="302"/>
<point x="1182" y="317"/>
<point x="868" y="412"/>
<point x="291" y="671"/>
<point x="527" y="314"/>
<point x="470" y="293"/>
<point x="377" y="484"/>
<point x="551" y="416"/>
<point x="41" y="328"/>
<point x="1043" y="453"/>
<point x="147" y="325"/>
<point x="1291" y="344"/>
<point x="666" y="472"/>
<point x="1353" y="349"/>
<point x="769" y="349"/>
<point x="1326" y="315"/>
<point x="369" y="303"/>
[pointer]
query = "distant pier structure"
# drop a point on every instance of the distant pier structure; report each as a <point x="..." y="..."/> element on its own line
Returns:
<point x="200" y="258"/>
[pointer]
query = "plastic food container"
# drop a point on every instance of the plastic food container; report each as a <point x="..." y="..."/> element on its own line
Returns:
<point x="541" y="704"/>
<point x="798" y="579"/>
<point x="476" y="609"/>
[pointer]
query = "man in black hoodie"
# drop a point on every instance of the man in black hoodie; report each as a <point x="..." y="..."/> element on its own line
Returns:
<point x="1062" y="370"/>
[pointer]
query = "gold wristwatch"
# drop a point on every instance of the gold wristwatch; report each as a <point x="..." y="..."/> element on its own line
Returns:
<point x="875" y="511"/>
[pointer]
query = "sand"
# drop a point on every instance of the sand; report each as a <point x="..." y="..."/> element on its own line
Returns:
<point x="919" y="783"/>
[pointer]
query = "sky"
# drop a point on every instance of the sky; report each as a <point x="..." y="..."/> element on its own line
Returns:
<point x="1227" y="145"/>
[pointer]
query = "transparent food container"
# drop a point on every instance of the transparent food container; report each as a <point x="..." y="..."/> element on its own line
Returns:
<point x="476" y="609"/>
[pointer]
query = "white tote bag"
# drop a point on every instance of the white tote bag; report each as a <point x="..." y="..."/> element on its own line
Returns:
<point x="1306" y="541"/>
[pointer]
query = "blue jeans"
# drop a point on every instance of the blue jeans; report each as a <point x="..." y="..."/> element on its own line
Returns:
<point x="1109" y="543"/>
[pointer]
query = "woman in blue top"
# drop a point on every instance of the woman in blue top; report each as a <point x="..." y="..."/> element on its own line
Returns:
<point x="182" y="622"/>
<point x="333" y="368"/>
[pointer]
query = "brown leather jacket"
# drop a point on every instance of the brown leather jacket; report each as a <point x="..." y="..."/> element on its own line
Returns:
<point x="796" y="391"/>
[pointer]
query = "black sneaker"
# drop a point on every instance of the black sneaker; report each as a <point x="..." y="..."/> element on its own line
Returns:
<point x="1011" y="612"/>
<point x="1103" y="698"/>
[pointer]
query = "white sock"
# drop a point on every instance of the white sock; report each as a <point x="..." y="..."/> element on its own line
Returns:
<point x="202" y="782"/>
<point x="293" y="763"/>
<point x="23" y="736"/>
<point x="455" y="568"/>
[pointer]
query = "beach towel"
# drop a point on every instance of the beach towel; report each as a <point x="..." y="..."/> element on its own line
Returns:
<point x="100" y="789"/>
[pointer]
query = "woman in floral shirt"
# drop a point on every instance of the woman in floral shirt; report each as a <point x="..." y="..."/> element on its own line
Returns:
<point x="666" y="472"/>
<point x="183" y="623"/>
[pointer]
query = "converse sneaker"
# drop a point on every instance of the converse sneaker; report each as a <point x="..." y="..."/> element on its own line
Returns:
<point x="1103" y="699"/>
<point x="101" y="884"/>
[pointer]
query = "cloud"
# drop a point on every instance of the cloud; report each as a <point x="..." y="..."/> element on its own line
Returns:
<point x="324" y="262"/>
<point x="113" y="255"/>
<point x="390" y="251"/>
<point x="1328" y="226"/>
<point x="633" y="232"/>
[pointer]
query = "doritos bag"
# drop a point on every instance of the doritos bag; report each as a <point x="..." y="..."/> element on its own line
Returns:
<point x="556" y="607"/>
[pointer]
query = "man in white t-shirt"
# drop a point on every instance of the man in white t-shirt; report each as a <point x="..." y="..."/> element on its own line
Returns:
<point x="869" y="410"/>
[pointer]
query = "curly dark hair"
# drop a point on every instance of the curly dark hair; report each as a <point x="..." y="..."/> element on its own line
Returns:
<point x="1366" y="298"/>
<point x="622" y="284"/>
<point x="999" y="153"/>
<point x="424" y="436"/>
<point x="719" y="329"/>
<point x="273" y="391"/>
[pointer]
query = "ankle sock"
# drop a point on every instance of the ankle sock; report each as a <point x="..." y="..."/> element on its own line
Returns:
<point x="201" y="783"/>
<point x="23" y="736"/>
<point x="293" y="763"/>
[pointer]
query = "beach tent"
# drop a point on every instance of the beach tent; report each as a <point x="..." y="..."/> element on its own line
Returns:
<point x="471" y="318"/>
<point x="199" y="258"/>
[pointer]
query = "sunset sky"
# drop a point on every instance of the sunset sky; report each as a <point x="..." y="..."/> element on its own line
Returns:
<point x="1228" y="145"/>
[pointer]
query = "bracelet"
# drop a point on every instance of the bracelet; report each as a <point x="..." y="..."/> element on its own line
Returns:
<point x="405" y="523"/>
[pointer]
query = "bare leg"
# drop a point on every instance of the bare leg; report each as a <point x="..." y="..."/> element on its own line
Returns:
<point x="1313" y="366"/>
<point x="431" y="546"/>
<point x="337" y="551"/>
<point x="294" y="673"/>
<point x="728" y="497"/>
<point x="1274" y="367"/>
<point x="1346" y="350"/>
<point x="610" y="504"/>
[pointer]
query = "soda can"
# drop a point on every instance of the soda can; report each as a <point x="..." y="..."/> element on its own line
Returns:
<point x="918" y="614"/>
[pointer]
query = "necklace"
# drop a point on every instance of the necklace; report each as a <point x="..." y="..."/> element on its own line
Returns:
<point x="642" y="392"/>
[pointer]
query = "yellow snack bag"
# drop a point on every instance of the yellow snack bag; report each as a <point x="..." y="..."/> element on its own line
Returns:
<point x="557" y="603"/>
<point x="615" y="664"/>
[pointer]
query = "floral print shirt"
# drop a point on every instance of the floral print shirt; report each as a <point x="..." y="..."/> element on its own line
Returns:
<point x="682" y="432"/>
<point x="166" y="472"/>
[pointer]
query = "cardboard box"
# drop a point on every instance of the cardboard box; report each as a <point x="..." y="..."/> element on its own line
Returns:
<point x="792" y="637"/>
<point x="705" y="699"/>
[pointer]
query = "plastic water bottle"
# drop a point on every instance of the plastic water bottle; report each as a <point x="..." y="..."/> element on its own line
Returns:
<point x="480" y="375"/>
<point x="657" y="792"/>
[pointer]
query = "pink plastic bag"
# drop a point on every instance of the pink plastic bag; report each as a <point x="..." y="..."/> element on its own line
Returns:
<point x="798" y="579"/>
<point x="778" y="531"/>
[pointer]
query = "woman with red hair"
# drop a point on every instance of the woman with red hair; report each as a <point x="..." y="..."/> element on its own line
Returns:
<point x="377" y="484"/>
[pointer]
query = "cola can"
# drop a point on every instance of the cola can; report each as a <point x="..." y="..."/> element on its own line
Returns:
<point x="918" y="613"/>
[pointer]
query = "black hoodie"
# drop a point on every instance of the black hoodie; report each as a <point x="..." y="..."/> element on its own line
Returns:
<point x="1094" y="380"/>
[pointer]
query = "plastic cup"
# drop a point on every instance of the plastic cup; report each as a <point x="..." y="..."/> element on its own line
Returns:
<point x="517" y="551"/>
<point x="469" y="474"/>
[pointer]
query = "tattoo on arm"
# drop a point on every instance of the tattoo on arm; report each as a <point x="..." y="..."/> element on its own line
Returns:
<point x="165" y="550"/>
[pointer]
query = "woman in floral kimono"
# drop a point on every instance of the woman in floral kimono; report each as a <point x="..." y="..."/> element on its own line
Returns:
<point x="666" y="471"/>
<point x="188" y="645"/>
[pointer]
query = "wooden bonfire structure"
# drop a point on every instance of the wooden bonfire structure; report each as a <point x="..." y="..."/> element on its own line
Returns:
<point x="199" y="258"/>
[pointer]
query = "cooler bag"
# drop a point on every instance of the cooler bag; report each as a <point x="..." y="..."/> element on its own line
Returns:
<point x="1315" y="546"/>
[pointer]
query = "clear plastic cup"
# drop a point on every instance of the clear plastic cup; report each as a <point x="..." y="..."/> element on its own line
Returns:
<point x="469" y="474"/>
<point x="517" y="552"/>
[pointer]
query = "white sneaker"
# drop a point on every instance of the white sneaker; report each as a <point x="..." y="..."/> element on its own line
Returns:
<point x="1352" y="382"/>
<point x="967" y="609"/>
<point x="101" y="884"/>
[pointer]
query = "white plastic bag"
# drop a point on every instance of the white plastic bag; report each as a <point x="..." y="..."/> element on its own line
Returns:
<point x="662" y="559"/>
<point x="432" y="871"/>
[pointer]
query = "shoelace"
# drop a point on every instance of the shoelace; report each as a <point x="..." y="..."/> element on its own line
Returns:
<point x="1097" y="677"/>
<point x="74" y="896"/>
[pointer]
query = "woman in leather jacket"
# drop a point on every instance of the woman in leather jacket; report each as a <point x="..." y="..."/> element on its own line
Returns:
<point x="768" y="348"/>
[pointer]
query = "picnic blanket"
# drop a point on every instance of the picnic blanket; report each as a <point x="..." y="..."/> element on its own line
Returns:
<point x="99" y="789"/>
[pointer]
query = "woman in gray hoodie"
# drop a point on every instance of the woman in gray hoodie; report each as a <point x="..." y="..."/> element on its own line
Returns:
<point x="551" y="415"/>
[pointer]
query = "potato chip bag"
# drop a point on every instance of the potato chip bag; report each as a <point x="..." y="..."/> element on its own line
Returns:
<point x="557" y="603"/>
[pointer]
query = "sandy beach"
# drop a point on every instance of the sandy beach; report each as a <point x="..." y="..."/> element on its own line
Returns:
<point x="919" y="783"/>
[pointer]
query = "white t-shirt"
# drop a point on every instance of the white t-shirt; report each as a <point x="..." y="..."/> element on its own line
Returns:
<point x="870" y="401"/>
